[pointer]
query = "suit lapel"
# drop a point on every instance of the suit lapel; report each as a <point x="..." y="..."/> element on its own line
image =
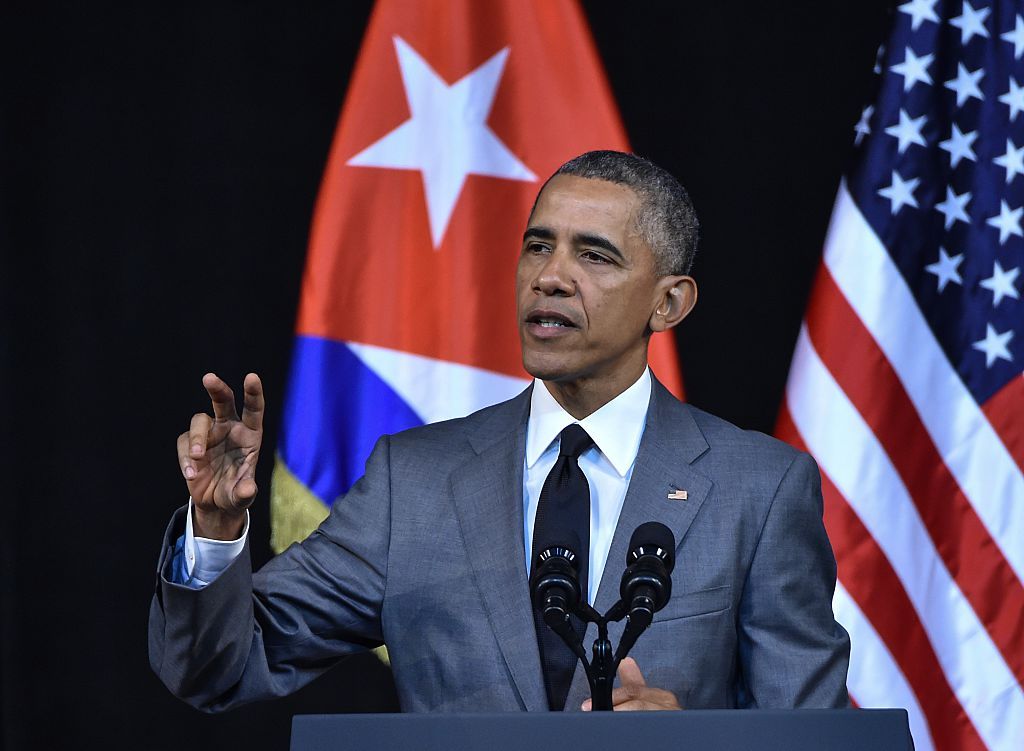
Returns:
<point x="671" y="442"/>
<point x="488" y="494"/>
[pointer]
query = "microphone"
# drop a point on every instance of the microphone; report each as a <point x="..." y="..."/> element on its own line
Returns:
<point x="646" y="584"/>
<point x="555" y="588"/>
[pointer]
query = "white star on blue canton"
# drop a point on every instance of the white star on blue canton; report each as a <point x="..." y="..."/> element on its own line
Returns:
<point x="919" y="12"/>
<point x="994" y="345"/>
<point x="900" y="192"/>
<point x="447" y="137"/>
<point x="1012" y="161"/>
<point x="954" y="207"/>
<point x="946" y="269"/>
<point x="965" y="84"/>
<point x="863" y="128"/>
<point x="959" y="146"/>
<point x="1008" y="222"/>
<point x="971" y="22"/>
<point x="1001" y="283"/>
<point x="907" y="131"/>
<point x="913" y="69"/>
<point x="1016" y="38"/>
<point x="1014" y="98"/>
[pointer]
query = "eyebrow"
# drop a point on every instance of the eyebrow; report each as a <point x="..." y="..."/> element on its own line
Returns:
<point x="545" y="233"/>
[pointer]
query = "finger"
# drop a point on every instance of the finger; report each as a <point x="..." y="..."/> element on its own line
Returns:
<point x="629" y="673"/>
<point x="252" y="409"/>
<point x="198" y="434"/>
<point x="643" y="699"/>
<point x="245" y="488"/>
<point x="245" y="492"/>
<point x="188" y="469"/>
<point x="632" y="684"/>
<point x="625" y="695"/>
<point x="221" y="396"/>
<point x="634" y="705"/>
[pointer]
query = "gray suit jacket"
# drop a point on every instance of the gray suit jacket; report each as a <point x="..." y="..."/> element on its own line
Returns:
<point x="425" y="553"/>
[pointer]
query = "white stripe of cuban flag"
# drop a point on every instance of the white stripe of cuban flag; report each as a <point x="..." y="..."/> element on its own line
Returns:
<point x="437" y="389"/>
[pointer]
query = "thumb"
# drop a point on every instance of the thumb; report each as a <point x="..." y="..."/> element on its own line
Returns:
<point x="630" y="675"/>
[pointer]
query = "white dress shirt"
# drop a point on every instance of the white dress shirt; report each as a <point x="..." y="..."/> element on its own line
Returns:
<point x="206" y="558"/>
<point x="616" y="428"/>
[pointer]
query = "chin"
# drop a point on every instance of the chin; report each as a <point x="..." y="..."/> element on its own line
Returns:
<point x="549" y="367"/>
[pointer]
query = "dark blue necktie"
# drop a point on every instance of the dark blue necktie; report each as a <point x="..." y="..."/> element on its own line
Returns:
<point x="563" y="513"/>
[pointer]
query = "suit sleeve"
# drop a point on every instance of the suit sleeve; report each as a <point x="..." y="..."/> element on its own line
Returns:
<point x="247" y="637"/>
<point x="792" y="651"/>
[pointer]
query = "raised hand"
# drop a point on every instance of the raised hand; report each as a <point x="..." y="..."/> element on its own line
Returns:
<point x="218" y="455"/>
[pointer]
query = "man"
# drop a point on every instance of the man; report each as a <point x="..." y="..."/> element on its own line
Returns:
<point x="429" y="551"/>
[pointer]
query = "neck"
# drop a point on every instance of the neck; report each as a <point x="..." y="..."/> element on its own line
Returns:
<point x="584" y="396"/>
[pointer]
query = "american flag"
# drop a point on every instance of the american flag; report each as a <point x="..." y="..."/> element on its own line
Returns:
<point x="907" y="384"/>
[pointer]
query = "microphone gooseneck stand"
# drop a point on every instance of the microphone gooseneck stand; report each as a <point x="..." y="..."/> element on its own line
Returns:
<point x="646" y="587"/>
<point x="601" y="670"/>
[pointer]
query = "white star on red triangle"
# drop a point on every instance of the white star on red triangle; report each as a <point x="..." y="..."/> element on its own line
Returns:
<point x="447" y="137"/>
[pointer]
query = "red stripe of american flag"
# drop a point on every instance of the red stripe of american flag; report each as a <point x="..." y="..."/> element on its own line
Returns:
<point x="1004" y="412"/>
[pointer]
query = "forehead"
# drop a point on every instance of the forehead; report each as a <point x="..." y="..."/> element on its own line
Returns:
<point x="578" y="204"/>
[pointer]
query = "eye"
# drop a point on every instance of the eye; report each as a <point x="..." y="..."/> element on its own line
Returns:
<point x="594" y="256"/>
<point x="536" y="247"/>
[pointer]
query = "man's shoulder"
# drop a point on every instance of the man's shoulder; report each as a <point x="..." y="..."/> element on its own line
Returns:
<point x="748" y="463"/>
<point x="729" y="441"/>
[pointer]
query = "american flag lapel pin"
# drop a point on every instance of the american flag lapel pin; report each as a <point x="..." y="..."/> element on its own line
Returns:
<point x="677" y="495"/>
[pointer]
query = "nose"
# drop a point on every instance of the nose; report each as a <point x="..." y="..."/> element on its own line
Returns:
<point x="555" y="276"/>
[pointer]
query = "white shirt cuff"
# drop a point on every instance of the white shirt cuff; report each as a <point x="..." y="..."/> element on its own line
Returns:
<point x="206" y="559"/>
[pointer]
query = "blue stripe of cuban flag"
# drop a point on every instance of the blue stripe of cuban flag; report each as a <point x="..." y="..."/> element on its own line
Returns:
<point x="335" y="409"/>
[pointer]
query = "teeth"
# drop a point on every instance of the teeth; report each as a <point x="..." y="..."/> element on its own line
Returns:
<point x="551" y="324"/>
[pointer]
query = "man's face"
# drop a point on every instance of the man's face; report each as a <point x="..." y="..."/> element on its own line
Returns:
<point x="586" y="285"/>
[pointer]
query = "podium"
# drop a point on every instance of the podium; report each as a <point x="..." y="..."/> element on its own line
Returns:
<point x="720" y="730"/>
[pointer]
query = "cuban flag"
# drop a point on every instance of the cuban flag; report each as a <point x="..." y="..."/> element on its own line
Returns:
<point x="456" y="113"/>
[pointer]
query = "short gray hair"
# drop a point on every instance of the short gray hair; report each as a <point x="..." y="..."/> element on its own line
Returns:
<point x="667" y="220"/>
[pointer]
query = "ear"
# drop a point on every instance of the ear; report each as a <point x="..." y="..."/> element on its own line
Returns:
<point x="676" y="297"/>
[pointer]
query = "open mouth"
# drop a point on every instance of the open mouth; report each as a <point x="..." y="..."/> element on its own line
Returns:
<point x="546" y="319"/>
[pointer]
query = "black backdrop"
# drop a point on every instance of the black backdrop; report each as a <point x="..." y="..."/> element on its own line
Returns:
<point x="158" y="166"/>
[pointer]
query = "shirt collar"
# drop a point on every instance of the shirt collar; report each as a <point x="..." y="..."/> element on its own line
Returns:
<point x="616" y="427"/>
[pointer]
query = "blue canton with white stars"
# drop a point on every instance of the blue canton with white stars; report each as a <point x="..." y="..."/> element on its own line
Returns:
<point x="940" y="177"/>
